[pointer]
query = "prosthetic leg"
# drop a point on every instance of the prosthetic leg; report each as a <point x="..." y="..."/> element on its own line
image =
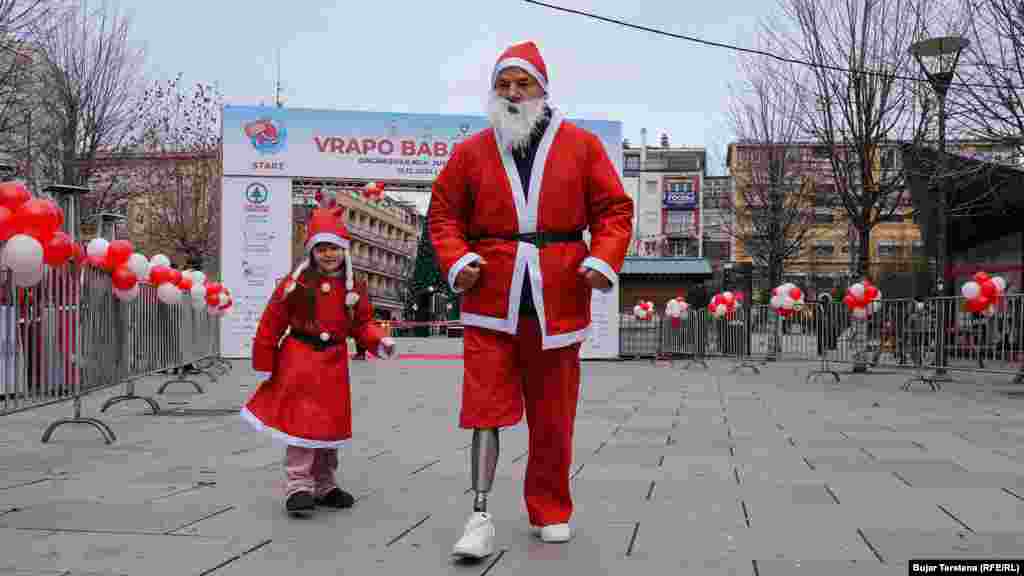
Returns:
<point x="478" y="537"/>
<point x="484" y="462"/>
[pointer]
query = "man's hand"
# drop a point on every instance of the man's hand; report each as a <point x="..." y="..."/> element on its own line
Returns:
<point x="595" y="279"/>
<point x="469" y="274"/>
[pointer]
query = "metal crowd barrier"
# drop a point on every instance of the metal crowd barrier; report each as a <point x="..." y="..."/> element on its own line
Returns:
<point x="69" y="336"/>
<point x="931" y="338"/>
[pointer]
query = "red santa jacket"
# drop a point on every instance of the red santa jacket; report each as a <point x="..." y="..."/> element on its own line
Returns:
<point x="573" y="186"/>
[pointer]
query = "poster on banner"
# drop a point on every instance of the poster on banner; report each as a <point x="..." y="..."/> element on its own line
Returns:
<point x="256" y="243"/>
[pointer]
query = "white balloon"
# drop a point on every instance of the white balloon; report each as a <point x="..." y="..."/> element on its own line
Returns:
<point x="721" y="310"/>
<point x="788" y="303"/>
<point x="970" y="290"/>
<point x="97" y="247"/>
<point x="857" y="290"/>
<point x="198" y="277"/>
<point x="127" y="295"/>
<point x="672" y="308"/>
<point x="30" y="278"/>
<point x="198" y="292"/>
<point x="23" y="254"/>
<point x="1000" y="283"/>
<point x="159" y="260"/>
<point x="776" y="301"/>
<point x="168" y="293"/>
<point x="876" y="305"/>
<point x="139" y="266"/>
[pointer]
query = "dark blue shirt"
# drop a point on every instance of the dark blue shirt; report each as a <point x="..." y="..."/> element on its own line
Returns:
<point x="524" y="165"/>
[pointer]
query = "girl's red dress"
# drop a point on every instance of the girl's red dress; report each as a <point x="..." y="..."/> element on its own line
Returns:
<point x="307" y="400"/>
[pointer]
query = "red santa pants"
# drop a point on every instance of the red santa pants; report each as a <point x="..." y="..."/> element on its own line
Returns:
<point x="310" y="470"/>
<point x="506" y="375"/>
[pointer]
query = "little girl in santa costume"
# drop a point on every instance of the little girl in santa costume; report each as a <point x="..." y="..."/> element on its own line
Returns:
<point x="302" y="341"/>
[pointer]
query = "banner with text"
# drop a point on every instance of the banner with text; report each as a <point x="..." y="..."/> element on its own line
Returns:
<point x="256" y="243"/>
<point x="273" y="143"/>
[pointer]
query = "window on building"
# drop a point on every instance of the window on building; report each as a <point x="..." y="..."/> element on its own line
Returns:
<point x="888" y="249"/>
<point x="716" y="251"/>
<point x="632" y="163"/>
<point x="824" y="195"/>
<point x="679" y="222"/>
<point x="824" y="249"/>
<point x="889" y="159"/>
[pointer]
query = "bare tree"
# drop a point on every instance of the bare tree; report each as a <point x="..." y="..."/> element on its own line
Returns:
<point x="88" y="97"/>
<point x="18" y="20"/>
<point x="861" y="100"/>
<point x="987" y="101"/>
<point x="773" y="172"/>
<point x="172" y="171"/>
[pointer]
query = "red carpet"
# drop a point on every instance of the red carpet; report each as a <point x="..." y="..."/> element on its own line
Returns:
<point x="422" y="357"/>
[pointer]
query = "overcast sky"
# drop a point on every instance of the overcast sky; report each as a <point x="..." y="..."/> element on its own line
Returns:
<point x="437" y="56"/>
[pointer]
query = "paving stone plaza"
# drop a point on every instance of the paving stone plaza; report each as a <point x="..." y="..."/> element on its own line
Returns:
<point x="685" y="471"/>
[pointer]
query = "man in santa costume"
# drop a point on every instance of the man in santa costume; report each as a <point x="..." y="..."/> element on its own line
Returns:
<point x="507" y="216"/>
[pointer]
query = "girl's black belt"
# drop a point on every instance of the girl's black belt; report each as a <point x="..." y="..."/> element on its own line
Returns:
<point x="314" y="341"/>
<point x="538" y="239"/>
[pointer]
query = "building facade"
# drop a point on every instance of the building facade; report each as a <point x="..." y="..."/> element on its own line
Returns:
<point x="665" y="183"/>
<point x="385" y="234"/>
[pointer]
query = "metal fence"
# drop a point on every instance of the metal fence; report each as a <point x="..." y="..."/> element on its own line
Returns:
<point x="932" y="338"/>
<point x="69" y="336"/>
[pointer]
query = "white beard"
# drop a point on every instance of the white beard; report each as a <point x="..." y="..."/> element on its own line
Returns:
<point x="514" y="128"/>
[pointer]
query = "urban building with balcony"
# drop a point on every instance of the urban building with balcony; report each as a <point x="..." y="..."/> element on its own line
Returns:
<point x="716" y="219"/>
<point x="665" y="257"/>
<point x="385" y="234"/>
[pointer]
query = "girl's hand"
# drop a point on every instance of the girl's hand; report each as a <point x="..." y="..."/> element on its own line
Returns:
<point x="388" y="345"/>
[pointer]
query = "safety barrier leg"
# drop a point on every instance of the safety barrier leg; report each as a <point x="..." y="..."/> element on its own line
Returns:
<point x="823" y="370"/>
<point x="129" y="394"/>
<point x="108" y="434"/>
<point x="180" y="378"/>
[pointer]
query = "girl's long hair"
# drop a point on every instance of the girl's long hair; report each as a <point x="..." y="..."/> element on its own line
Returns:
<point x="302" y="301"/>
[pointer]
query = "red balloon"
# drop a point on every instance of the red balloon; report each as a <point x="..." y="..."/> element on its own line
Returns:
<point x="159" y="274"/>
<point x="13" y="194"/>
<point x="96" y="262"/>
<point x="988" y="289"/>
<point x="982" y="277"/>
<point x="175" y="277"/>
<point x="38" y="218"/>
<point x="870" y="293"/>
<point x="214" y="288"/>
<point x="850" y="300"/>
<point x="739" y="296"/>
<point x="123" y="278"/>
<point x="58" y="250"/>
<point x="78" y="253"/>
<point x="185" y="284"/>
<point x="795" y="293"/>
<point x="118" y="253"/>
<point x="7" y="225"/>
<point x="212" y="299"/>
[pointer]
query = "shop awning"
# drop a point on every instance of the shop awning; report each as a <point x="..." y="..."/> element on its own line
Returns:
<point x="688" y="267"/>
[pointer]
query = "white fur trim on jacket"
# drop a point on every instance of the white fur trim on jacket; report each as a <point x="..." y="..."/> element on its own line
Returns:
<point x="461" y="263"/>
<point x="519" y="63"/>
<point x="276" y="434"/>
<point x="328" y="237"/>
<point x="595" y="263"/>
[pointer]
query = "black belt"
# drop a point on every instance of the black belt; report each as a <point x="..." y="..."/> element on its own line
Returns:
<point x="314" y="341"/>
<point x="538" y="239"/>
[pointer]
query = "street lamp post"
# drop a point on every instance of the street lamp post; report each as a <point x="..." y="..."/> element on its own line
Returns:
<point x="938" y="58"/>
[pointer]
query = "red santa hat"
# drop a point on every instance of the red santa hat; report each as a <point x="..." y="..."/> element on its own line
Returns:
<point x="526" y="56"/>
<point x="327" y="225"/>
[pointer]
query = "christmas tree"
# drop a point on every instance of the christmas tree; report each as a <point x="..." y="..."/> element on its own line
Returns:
<point x="426" y="273"/>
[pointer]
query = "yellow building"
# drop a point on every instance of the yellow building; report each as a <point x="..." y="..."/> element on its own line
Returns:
<point x="829" y="248"/>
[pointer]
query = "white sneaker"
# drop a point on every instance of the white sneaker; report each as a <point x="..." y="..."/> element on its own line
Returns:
<point x="478" y="538"/>
<point x="552" y="532"/>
